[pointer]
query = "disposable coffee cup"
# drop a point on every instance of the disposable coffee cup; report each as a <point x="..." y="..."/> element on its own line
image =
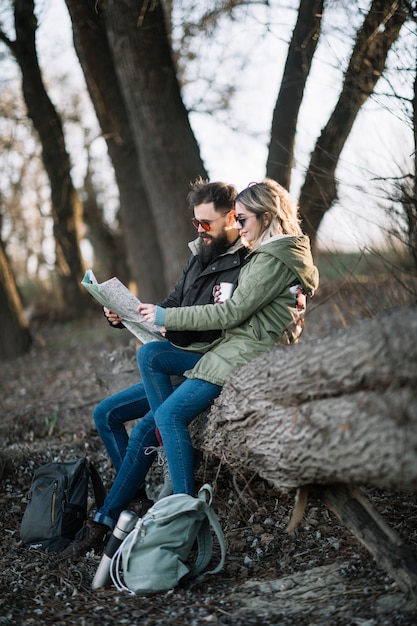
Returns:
<point x="226" y="290"/>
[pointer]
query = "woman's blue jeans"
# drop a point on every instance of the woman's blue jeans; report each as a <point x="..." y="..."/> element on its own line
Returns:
<point x="175" y="409"/>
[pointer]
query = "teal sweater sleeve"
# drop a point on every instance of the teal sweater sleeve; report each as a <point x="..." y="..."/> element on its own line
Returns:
<point x="159" y="316"/>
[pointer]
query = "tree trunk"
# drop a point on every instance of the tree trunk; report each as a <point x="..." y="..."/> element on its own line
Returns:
<point x="66" y="205"/>
<point x="109" y="245"/>
<point x="297" y="68"/>
<point x="411" y="206"/>
<point x="15" y="338"/>
<point x="340" y="409"/>
<point x="381" y="28"/>
<point x="144" y="255"/>
<point x="335" y="412"/>
<point x="168" y="150"/>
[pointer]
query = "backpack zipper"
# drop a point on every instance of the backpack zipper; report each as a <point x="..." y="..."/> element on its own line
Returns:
<point x="54" y="501"/>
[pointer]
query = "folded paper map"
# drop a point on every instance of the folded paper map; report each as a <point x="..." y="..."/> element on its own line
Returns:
<point x="114" y="295"/>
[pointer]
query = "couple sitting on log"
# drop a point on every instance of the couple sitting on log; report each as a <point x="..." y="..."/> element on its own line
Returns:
<point x="257" y="232"/>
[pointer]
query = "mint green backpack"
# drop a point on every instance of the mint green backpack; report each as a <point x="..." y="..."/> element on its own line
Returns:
<point x="155" y="556"/>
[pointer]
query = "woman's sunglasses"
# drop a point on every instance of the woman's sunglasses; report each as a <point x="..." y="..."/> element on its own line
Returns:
<point x="242" y="220"/>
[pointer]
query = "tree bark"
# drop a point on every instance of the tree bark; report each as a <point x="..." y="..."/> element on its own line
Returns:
<point x="381" y="28"/>
<point x="411" y="205"/>
<point x="169" y="153"/>
<point x="334" y="413"/>
<point x="144" y="255"/>
<point x="66" y="205"/>
<point x="15" y="338"/>
<point x="301" y="50"/>
<point x="339" y="409"/>
<point x="109" y="244"/>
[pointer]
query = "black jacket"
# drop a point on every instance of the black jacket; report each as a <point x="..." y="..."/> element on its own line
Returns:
<point x="195" y="286"/>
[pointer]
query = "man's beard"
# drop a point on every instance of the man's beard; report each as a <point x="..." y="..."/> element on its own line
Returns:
<point x="217" y="246"/>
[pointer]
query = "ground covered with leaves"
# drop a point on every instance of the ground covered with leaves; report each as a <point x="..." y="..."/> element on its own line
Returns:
<point x="319" y="575"/>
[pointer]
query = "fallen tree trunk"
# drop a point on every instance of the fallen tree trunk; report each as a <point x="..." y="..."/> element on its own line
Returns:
<point x="339" y="409"/>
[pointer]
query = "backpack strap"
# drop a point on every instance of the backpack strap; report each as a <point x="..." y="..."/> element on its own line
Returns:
<point x="204" y="537"/>
<point x="98" y="487"/>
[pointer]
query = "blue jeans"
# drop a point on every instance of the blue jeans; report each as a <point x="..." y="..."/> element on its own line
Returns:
<point x="111" y="415"/>
<point x="175" y="409"/>
<point x="132" y="472"/>
<point x="136" y="462"/>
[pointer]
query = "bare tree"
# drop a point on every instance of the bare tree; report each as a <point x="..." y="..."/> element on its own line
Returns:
<point x="169" y="153"/>
<point x="66" y="205"/>
<point x="22" y="187"/>
<point x="108" y="243"/>
<point x="380" y="29"/>
<point x="301" y="51"/>
<point x="400" y="207"/>
<point x="142" y="248"/>
<point x="15" y="338"/>
<point x="411" y="205"/>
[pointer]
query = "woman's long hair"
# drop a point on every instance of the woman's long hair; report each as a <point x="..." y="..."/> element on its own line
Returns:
<point x="271" y="199"/>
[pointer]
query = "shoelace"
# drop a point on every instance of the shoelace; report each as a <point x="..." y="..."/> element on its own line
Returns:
<point x="162" y="459"/>
<point x="167" y="488"/>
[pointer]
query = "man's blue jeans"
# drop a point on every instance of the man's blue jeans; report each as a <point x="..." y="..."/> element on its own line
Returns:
<point x="132" y="471"/>
<point x="111" y="415"/>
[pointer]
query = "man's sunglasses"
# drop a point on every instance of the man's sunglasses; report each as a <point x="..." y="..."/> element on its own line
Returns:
<point x="206" y="224"/>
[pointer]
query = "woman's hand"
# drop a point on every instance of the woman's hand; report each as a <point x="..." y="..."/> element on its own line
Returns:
<point x="112" y="318"/>
<point x="148" y="311"/>
<point x="217" y="294"/>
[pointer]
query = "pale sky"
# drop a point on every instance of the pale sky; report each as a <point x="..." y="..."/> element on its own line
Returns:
<point x="238" y="155"/>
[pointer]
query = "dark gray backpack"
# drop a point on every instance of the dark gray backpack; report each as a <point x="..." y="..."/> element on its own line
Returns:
<point x="57" y="506"/>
